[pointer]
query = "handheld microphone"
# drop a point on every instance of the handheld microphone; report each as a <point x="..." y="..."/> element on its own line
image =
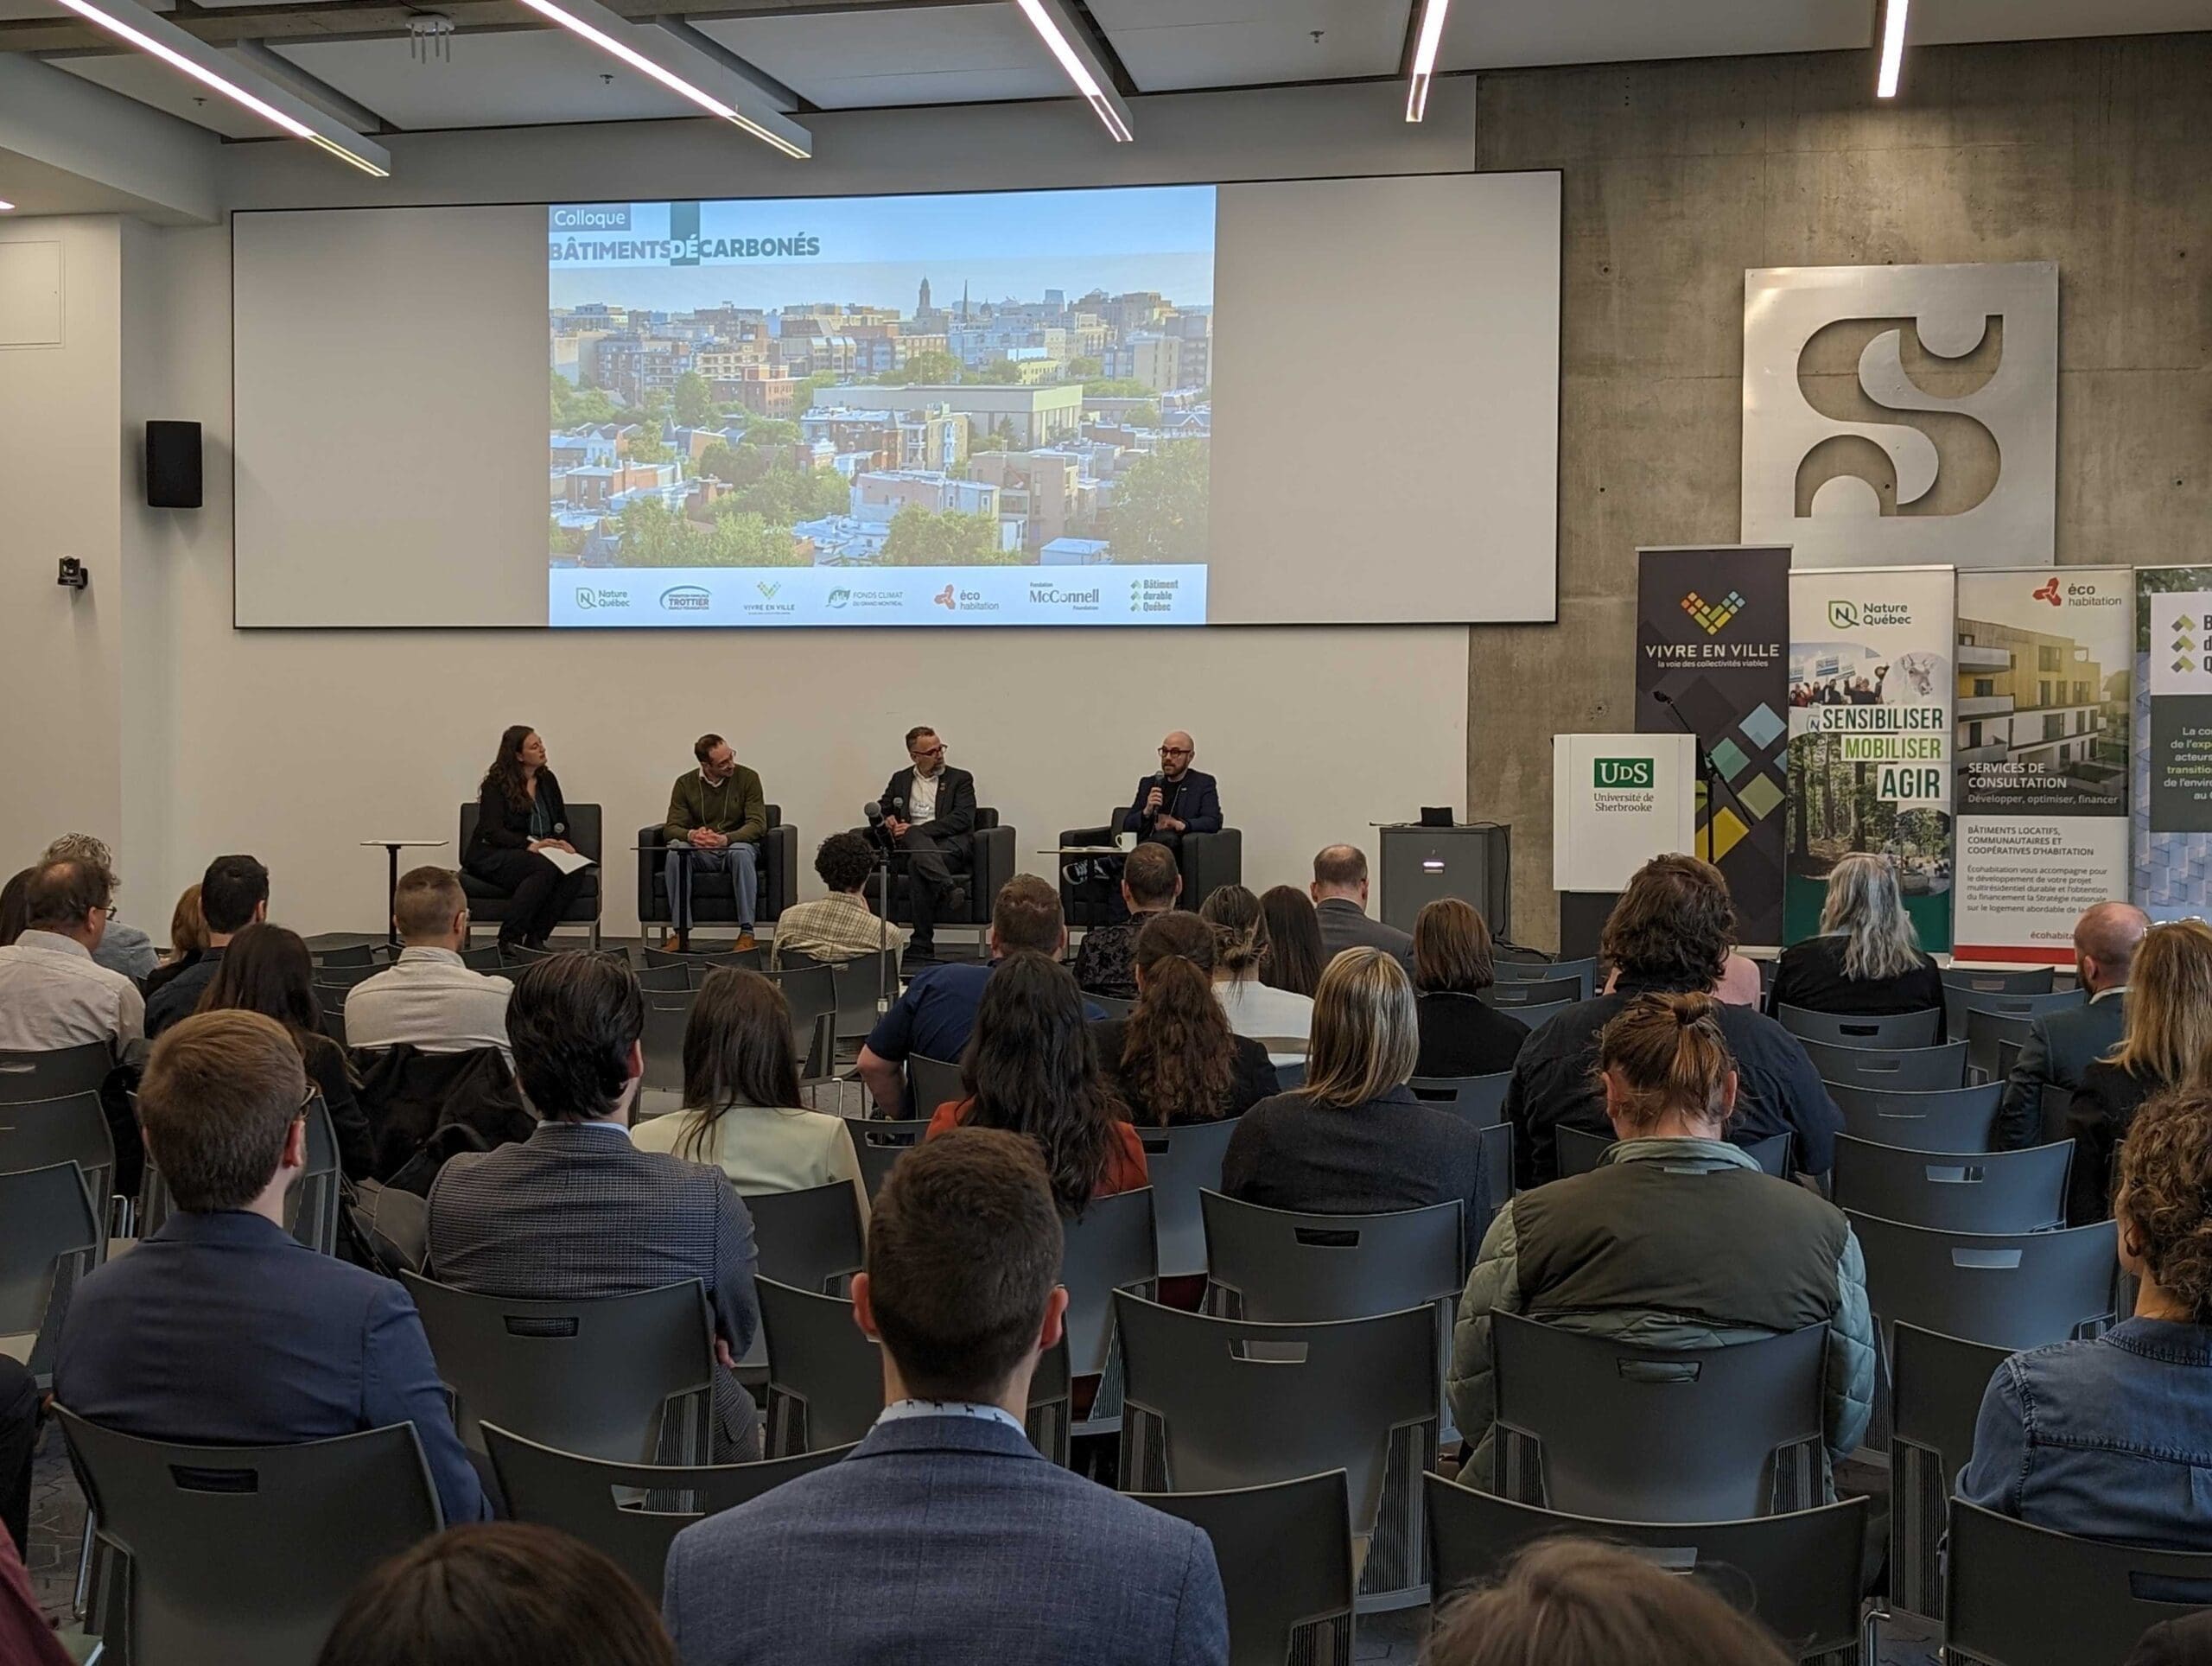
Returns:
<point x="1151" y="781"/>
<point x="896" y="805"/>
<point x="873" y="810"/>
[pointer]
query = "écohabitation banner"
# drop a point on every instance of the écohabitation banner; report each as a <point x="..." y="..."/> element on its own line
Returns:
<point x="1711" y="623"/>
<point x="2173" y="741"/>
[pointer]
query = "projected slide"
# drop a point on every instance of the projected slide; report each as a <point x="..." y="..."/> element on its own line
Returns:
<point x="985" y="409"/>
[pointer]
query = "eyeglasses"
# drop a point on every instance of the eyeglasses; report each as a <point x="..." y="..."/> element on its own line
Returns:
<point x="110" y="913"/>
<point x="1175" y="751"/>
<point x="936" y="751"/>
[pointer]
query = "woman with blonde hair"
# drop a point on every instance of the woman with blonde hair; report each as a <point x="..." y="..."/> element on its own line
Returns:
<point x="2167" y="1044"/>
<point x="188" y="938"/>
<point x="1866" y="959"/>
<point x="1353" y="1140"/>
<point x="1243" y="951"/>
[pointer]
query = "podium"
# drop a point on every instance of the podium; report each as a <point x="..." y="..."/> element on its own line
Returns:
<point x="1617" y="800"/>
<point x="1471" y="862"/>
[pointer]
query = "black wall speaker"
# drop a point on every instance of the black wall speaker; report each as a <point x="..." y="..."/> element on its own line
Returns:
<point x="172" y="465"/>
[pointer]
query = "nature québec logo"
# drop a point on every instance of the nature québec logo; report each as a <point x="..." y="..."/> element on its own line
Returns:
<point x="2049" y="592"/>
<point x="1843" y="615"/>
<point x="1712" y="617"/>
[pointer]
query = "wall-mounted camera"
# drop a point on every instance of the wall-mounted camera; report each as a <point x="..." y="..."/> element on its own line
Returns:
<point x="74" y="573"/>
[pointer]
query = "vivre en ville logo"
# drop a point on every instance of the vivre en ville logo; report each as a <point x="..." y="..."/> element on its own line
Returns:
<point x="1623" y="772"/>
<point x="1712" y="617"/>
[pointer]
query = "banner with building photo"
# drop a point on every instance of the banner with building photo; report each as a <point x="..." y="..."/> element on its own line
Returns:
<point x="1711" y="625"/>
<point x="1870" y="736"/>
<point x="2172" y="751"/>
<point x="2045" y="673"/>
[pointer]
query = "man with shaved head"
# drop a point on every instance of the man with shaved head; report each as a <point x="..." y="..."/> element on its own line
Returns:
<point x="1176" y="799"/>
<point x="2061" y="1044"/>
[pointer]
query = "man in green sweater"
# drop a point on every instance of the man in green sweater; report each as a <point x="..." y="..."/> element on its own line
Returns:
<point x="719" y="810"/>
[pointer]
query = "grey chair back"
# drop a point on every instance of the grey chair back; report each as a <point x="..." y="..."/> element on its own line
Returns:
<point x="1285" y="1554"/>
<point x="1111" y="1246"/>
<point x="1051" y="1419"/>
<point x="1944" y="1119"/>
<point x="1960" y="1004"/>
<point x="697" y="965"/>
<point x="330" y="1007"/>
<point x="1289" y="1076"/>
<point x="664" y="980"/>
<point x="1892" y="1030"/>
<point x="345" y="976"/>
<point x="49" y="1240"/>
<point x="1597" y="1426"/>
<point x="1986" y="1032"/>
<point x="825" y="1378"/>
<point x="1112" y="1006"/>
<point x="1497" y="1167"/>
<point x="1799" y="1573"/>
<point x="668" y="1014"/>
<point x="2019" y="980"/>
<point x="1284" y="1267"/>
<point x="483" y="959"/>
<point x="311" y="1206"/>
<point x="1954" y="1191"/>
<point x="1581" y="1151"/>
<point x="880" y="1143"/>
<point x="345" y="954"/>
<point x="36" y="1132"/>
<point x="1908" y="1070"/>
<point x="54" y="1073"/>
<point x="203" y="1527"/>
<point x="2008" y="1289"/>
<point x="811" y="994"/>
<point x="1536" y="1015"/>
<point x="2025" y="1596"/>
<point x="591" y="1376"/>
<point x="1181" y="1163"/>
<point x="1584" y="972"/>
<point x="932" y="1083"/>
<point x="1512" y="995"/>
<point x="1936" y="1383"/>
<point x="857" y="982"/>
<point x="581" y="1497"/>
<point x="1479" y="1100"/>
<point x="811" y="1239"/>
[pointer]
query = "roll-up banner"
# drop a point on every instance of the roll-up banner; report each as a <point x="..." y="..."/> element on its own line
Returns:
<point x="2046" y="661"/>
<point x="2172" y="752"/>
<point x="1870" y="736"/>
<point x="1712" y="625"/>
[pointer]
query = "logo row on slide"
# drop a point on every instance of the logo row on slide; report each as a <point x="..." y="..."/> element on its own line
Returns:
<point x="640" y="596"/>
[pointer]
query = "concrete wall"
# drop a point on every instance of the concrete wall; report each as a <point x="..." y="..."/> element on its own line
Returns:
<point x="2095" y="154"/>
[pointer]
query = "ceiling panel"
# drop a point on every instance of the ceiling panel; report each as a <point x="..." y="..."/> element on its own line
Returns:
<point x="519" y="79"/>
<point x="1482" y="37"/>
<point x="38" y="187"/>
<point x="1955" y="21"/>
<point x="139" y="76"/>
<point x="14" y="10"/>
<point x="934" y="54"/>
<point x="1169" y="45"/>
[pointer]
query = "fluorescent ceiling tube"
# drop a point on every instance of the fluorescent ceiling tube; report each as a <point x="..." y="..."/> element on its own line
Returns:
<point x="680" y="68"/>
<point x="130" y="21"/>
<point x="1432" y="33"/>
<point x="1052" y="20"/>
<point x="1893" y="16"/>
<point x="7" y="207"/>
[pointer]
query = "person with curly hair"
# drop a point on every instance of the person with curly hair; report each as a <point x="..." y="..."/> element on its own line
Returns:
<point x="1175" y="1059"/>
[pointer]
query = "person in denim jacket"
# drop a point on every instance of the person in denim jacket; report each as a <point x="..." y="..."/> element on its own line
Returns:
<point x="2112" y="1439"/>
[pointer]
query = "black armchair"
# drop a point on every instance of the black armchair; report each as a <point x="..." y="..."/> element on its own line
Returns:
<point x="487" y="903"/>
<point x="712" y="901"/>
<point x="1208" y="860"/>
<point x="992" y="864"/>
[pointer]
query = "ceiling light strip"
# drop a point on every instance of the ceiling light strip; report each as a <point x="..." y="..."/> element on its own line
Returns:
<point x="1432" y="35"/>
<point x="1893" y="16"/>
<point x="1052" y="25"/>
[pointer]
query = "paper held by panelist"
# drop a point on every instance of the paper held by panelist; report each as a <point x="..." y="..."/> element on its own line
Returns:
<point x="569" y="862"/>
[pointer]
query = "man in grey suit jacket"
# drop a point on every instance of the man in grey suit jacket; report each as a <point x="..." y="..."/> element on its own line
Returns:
<point x="1340" y="893"/>
<point x="945" y="1535"/>
<point x="2062" y="1044"/>
<point x="577" y="1210"/>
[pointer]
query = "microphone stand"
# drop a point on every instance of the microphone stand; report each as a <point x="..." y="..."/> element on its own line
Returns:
<point x="1708" y="777"/>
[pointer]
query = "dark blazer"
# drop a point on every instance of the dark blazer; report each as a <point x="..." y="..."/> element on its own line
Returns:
<point x="1463" y="1035"/>
<point x="577" y="1211"/>
<point x="1344" y="925"/>
<point x="2096" y="1121"/>
<point x="501" y="826"/>
<point x="1251" y="1076"/>
<point x="944" y="1539"/>
<point x="1194" y="800"/>
<point x="180" y="996"/>
<point x="955" y="802"/>
<point x="1810" y="975"/>
<point x="2186" y="1641"/>
<point x="327" y="1068"/>
<point x="2059" y="1048"/>
<point x="224" y="1330"/>
<point x="161" y="977"/>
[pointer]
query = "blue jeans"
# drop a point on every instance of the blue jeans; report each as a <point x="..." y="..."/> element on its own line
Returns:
<point x="741" y="861"/>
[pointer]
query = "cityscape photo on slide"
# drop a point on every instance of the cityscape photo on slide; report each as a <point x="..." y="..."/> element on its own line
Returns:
<point x="982" y="408"/>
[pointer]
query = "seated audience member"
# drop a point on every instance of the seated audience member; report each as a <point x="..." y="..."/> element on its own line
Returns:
<point x="187" y="940"/>
<point x="233" y="894"/>
<point x="1020" y="1559"/>
<point x="1174" y="1058"/>
<point x="1669" y="934"/>
<point x="1460" y="1033"/>
<point x="1736" y="986"/>
<point x="1244" y="949"/>
<point x="1150" y="883"/>
<point x="2165" y="1043"/>
<point x="2062" y="1045"/>
<point x="222" y="1329"/>
<point x="122" y="948"/>
<point x="429" y="1000"/>
<point x="1354" y="1140"/>
<point x="1866" y="958"/>
<point x="52" y="993"/>
<point x="19" y="1422"/>
<point x="839" y="926"/>
<point x="267" y="969"/>
<point x="933" y="1017"/>
<point x="1031" y="1067"/>
<point x="1340" y="907"/>
<point x="2112" y="1440"/>
<point x="1576" y="1602"/>
<point x="743" y="1112"/>
<point x="577" y="1210"/>
<point x="497" y="1594"/>
<point x="1676" y="1240"/>
<point x="12" y="896"/>
<point x="1293" y="935"/>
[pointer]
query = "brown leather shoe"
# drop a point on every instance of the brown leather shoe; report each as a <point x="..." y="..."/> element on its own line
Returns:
<point x="745" y="940"/>
<point x="677" y="943"/>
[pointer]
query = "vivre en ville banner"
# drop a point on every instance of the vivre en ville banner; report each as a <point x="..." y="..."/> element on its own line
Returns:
<point x="2172" y="750"/>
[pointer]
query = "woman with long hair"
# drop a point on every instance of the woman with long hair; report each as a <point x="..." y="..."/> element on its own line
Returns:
<point x="2167" y="1045"/>
<point x="743" y="1112"/>
<point x="520" y="815"/>
<point x="1174" y="1058"/>
<point x="188" y="938"/>
<point x="268" y="970"/>
<point x="1461" y="1035"/>
<point x="1243" y="951"/>
<point x="1866" y="959"/>
<point x="1031" y="1067"/>
<point x="1295" y="931"/>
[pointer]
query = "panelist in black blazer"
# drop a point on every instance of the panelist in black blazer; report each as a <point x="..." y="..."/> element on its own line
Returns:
<point x="518" y="814"/>
<point x="928" y="809"/>
<point x="1177" y="800"/>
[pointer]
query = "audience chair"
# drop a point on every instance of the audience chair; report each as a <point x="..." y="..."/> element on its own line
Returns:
<point x="880" y="1143"/>
<point x="1889" y="1030"/>
<point x="2022" y="980"/>
<point x="1182" y="1162"/>
<point x="1215" y="1403"/>
<point x="1937" y="1382"/>
<point x="345" y="976"/>
<point x="311" y="1207"/>
<point x="1497" y="1167"/>
<point x="1110" y="1247"/>
<point x="713" y="895"/>
<point x="1597" y="1426"/>
<point x="1960" y="1005"/>
<point x="812" y="1238"/>
<point x="811" y="994"/>
<point x="1536" y="1016"/>
<point x="49" y="1239"/>
<point x="1477" y="1099"/>
<point x="36" y="1132"/>
<point x="664" y="980"/>
<point x="1908" y="1070"/>
<point x="343" y="954"/>
<point x="1943" y="1119"/>
<point x="698" y="965"/>
<point x="1511" y="995"/>
<point x="1051" y="1420"/>
<point x="483" y="959"/>
<point x="1988" y="1032"/>
<point x="487" y="903"/>
<point x="596" y="1501"/>
<point x="591" y="1376"/>
<point x="857" y="982"/>
<point x="1799" y="1575"/>
<point x="932" y="1083"/>
<point x="1206" y="862"/>
<point x="1581" y="1151"/>
<point x="2007" y="1289"/>
<point x="1285" y="1554"/>
<point x="1954" y="1191"/>
<point x="55" y="1074"/>
<point x="1110" y="1005"/>
<point x="825" y="1378"/>
<point x="1290" y="1076"/>
<point x="2025" y="1596"/>
<point x="244" y="1555"/>
<point x="667" y="1015"/>
<point x="1583" y="971"/>
<point x="330" y="1007"/>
